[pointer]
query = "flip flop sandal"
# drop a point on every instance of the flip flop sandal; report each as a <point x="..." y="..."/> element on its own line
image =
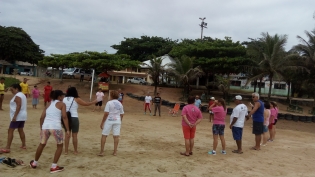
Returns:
<point x="23" y="147"/>
<point x="5" y="151"/>
<point x="8" y="163"/>
<point x="183" y="153"/>
<point x="18" y="162"/>
<point x="236" y="152"/>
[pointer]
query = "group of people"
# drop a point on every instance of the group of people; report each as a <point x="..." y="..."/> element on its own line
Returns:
<point x="61" y="112"/>
<point x="157" y="101"/>
<point x="264" y="115"/>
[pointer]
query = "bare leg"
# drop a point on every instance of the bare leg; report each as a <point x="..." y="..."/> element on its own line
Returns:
<point x="94" y="108"/>
<point x="215" y="142"/>
<point x="67" y="140"/>
<point x="10" y="138"/>
<point x="257" y="140"/>
<point x="99" y="109"/>
<point x="273" y="132"/>
<point x="39" y="151"/>
<point x="239" y="146"/>
<point x="58" y="153"/>
<point x="75" y="142"/>
<point x="1" y="100"/>
<point x="22" y="136"/>
<point x="103" y="141"/>
<point x="192" y="143"/>
<point x="222" y="142"/>
<point x="116" y="141"/>
<point x="187" y="146"/>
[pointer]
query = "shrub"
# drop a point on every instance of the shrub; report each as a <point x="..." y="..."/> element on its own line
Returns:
<point x="10" y="80"/>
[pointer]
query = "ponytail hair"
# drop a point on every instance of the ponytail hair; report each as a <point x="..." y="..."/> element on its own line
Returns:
<point x="274" y="104"/>
<point x="221" y="100"/>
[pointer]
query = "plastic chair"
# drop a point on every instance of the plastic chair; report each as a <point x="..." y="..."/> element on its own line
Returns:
<point x="175" y="110"/>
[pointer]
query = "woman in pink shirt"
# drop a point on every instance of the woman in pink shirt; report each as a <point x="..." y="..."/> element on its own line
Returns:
<point x="191" y="117"/>
<point x="274" y="118"/>
<point x="35" y="94"/>
<point x="219" y="111"/>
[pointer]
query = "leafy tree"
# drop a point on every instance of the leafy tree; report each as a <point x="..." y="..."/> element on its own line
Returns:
<point x="16" y="44"/>
<point x="306" y="49"/>
<point x="273" y="60"/>
<point x="185" y="72"/>
<point x="155" y="70"/>
<point x="143" y="48"/>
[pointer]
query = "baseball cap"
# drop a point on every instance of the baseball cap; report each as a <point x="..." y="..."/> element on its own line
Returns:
<point x="212" y="98"/>
<point x="238" y="97"/>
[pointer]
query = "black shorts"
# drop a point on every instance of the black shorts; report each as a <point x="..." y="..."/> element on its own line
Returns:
<point x="276" y="120"/>
<point x="74" y="125"/>
<point x="100" y="103"/>
<point x="258" y="128"/>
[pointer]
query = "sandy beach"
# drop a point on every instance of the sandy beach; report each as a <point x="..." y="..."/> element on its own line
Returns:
<point x="150" y="146"/>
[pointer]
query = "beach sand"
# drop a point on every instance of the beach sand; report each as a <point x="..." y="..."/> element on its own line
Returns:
<point x="150" y="146"/>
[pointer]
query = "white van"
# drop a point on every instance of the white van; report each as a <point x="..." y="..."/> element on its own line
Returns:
<point x="75" y="73"/>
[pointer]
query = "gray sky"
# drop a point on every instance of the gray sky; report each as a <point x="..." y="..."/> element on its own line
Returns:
<point x="64" y="26"/>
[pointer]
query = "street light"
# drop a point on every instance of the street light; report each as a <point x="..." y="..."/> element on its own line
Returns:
<point x="202" y="25"/>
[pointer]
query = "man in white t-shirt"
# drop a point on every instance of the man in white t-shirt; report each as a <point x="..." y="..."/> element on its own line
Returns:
<point x="147" y="101"/>
<point x="99" y="97"/>
<point x="237" y="122"/>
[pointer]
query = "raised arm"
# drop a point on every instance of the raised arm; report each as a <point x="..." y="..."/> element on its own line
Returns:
<point x="83" y="103"/>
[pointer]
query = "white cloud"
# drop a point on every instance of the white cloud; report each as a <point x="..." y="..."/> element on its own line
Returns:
<point x="78" y="25"/>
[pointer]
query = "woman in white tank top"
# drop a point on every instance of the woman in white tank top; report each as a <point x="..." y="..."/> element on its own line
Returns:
<point x="72" y="101"/>
<point x="18" y="115"/>
<point x="50" y="124"/>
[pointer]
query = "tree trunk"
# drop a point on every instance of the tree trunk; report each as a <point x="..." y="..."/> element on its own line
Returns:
<point x="255" y="84"/>
<point x="259" y="91"/>
<point x="270" y="86"/>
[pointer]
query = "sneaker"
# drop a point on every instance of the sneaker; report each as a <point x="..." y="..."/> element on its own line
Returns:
<point x="223" y="152"/>
<point x="212" y="152"/>
<point x="57" y="169"/>
<point x="31" y="164"/>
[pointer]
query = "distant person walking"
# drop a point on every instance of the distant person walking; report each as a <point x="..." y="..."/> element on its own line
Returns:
<point x="2" y="90"/>
<point x="157" y="104"/>
<point x="25" y="87"/>
<point x="121" y="96"/>
<point x="273" y="120"/>
<point x="35" y="96"/>
<point x="191" y="117"/>
<point x="237" y="120"/>
<point x="198" y="102"/>
<point x="112" y="120"/>
<point x="211" y="102"/>
<point x="72" y="101"/>
<point x="258" y="120"/>
<point x="82" y="76"/>
<point x="47" y="90"/>
<point x="147" y="102"/>
<point x="99" y="96"/>
<point x="219" y="111"/>
<point x="18" y="115"/>
<point x="50" y="124"/>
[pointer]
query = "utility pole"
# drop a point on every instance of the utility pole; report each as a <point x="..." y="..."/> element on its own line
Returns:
<point x="202" y="25"/>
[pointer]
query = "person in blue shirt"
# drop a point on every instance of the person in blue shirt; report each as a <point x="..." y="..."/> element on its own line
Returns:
<point x="197" y="101"/>
<point x="258" y="119"/>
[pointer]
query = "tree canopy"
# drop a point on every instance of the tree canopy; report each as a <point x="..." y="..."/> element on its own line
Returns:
<point x="213" y="55"/>
<point x="143" y="48"/>
<point x="88" y="59"/>
<point x="17" y="45"/>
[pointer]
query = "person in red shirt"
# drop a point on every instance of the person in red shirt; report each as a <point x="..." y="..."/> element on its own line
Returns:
<point x="210" y="112"/>
<point x="47" y="90"/>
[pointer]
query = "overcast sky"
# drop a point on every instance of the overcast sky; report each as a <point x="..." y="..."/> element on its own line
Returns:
<point x="65" y="26"/>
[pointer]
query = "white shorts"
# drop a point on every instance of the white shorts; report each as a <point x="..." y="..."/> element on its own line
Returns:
<point x="108" y="126"/>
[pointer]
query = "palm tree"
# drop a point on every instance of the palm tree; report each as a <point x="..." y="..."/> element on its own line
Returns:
<point x="272" y="60"/>
<point x="155" y="69"/>
<point x="307" y="50"/>
<point x="185" y="72"/>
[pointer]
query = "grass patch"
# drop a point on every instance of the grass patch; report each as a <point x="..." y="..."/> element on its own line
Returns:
<point x="10" y="80"/>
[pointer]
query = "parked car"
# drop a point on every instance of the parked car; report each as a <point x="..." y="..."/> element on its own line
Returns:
<point x="137" y="80"/>
<point x="30" y="73"/>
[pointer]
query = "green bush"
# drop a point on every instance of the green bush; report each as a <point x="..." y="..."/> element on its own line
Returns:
<point x="10" y="80"/>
